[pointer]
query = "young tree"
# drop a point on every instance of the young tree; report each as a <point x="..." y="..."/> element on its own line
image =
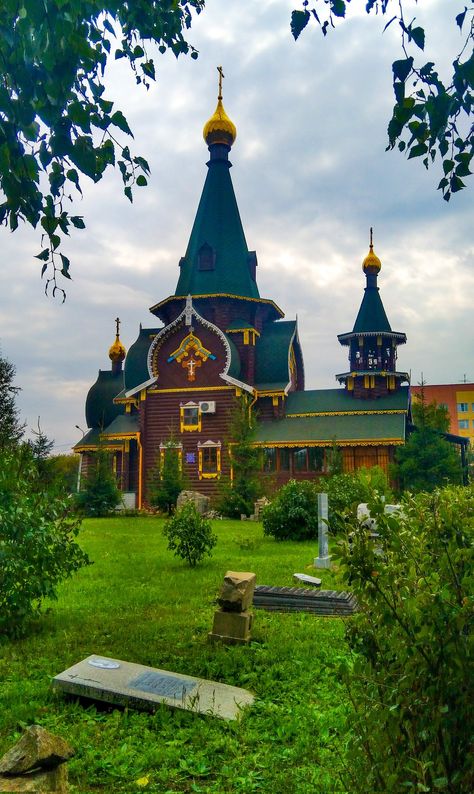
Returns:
<point x="238" y="496"/>
<point x="427" y="460"/>
<point x="167" y="479"/>
<point x="56" y="123"/>
<point x="430" y="118"/>
<point x="99" y="495"/>
<point x="11" y="429"/>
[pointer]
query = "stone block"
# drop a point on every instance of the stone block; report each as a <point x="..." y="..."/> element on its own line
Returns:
<point x="52" y="781"/>
<point x="236" y="593"/>
<point x="231" y="628"/>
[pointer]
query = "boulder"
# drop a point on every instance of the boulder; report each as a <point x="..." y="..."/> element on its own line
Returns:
<point x="200" y="501"/>
<point x="37" y="749"/>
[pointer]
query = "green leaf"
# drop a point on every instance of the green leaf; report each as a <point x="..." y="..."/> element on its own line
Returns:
<point x="401" y="69"/>
<point x="141" y="181"/>
<point x="77" y="221"/>
<point x="418" y="150"/>
<point x="338" y="8"/>
<point x="460" y="18"/>
<point x="128" y="193"/>
<point x="448" y="166"/>
<point x="119" y="120"/>
<point x="66" y="265"/>
<point x="299" y="20"/>
<point x="44" y="255"/>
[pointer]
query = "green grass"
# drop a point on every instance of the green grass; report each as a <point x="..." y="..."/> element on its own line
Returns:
<point x="139" y="603"/>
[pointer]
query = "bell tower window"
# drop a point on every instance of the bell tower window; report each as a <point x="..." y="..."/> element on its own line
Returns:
<point x="206" y="257"/>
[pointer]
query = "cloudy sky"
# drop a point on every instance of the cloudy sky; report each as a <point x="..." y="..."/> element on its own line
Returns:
<point x="311" y="176"/>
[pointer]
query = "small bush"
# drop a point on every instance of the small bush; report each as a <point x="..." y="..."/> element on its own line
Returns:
<point x="189" y="534"/>
<point x="293" y="514"/>
<point x="37" y="546"/>
<point x="346" y="491"/>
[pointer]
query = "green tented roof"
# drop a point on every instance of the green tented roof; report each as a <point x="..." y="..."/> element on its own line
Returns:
<point x="371" y="316"/>
<point x="383" y="428"/>
<point x="136" y="366"/>
<point x="238" y="325"/>
<point x="218" y="225"/>
<point x="126" y="424"/>
<point x="272" y="355"/>
<point x="90" y="439"/>
<point x="100" y="408"/>
<point x="341" y="401"/>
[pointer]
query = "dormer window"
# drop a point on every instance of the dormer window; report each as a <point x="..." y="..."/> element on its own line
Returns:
<point x="206" y="257"/>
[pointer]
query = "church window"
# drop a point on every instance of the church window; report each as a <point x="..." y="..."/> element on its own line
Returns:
<point x="315" y="459"/>
<point x="166" y="453"/>
<point x="269" y="459"/>
<point x="284" y="459"/>
<point x="190" y="417"/>
<point x="206" y="257"/>
<point x="300" y="459"/>
<point x="209" y="460"/>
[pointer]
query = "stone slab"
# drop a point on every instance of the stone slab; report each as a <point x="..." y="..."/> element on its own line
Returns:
<point x="36" y="782"/>
<point x="144" y="688"/>
<point x="311" y="580"/>
<point x="232" y="628"/>
<point x="296" y="599"/>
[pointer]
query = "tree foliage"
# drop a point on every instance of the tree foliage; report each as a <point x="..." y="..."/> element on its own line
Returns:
<point x="37" y="540"/>
<point x="56" y="124"/>
<point x="293" y="513"/>
<point x="189" y="534"/>
<point x="11" y="429"/>
<point x="411" y="679"/>
<point x="427" y="460"/>
<point x="167" y="479"/>
<point x="238" y="496"/>
<point x="430" y="118"/>
<point x="99" y="494"/>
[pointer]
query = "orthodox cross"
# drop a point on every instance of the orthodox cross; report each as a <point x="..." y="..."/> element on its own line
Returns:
<point x="221" y="75"/>
<point x="117" y="325"/>
<point x="191" y="365"/>
<point x="371" y="238"/>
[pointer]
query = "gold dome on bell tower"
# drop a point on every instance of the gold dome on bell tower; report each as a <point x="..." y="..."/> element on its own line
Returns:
<point x="117" y="351"/>
<point x="219" y="128"/>
<point x="371" y="263"/>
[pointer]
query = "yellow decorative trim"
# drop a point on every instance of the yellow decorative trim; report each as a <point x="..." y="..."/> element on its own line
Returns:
<point x="209" y="475"/>
<point x="191" y="388"/>
<point x="213" y="476"/>
<point x="219" y="295"/>
<point x="124" y="436"/>
<point x="163" y="449"/>
<point x="270" y="393"/>
<point x="275" y="401"/>
<point x="380" y="442"/>
<point x="346" y="413"/>
<point x="189" y="428"/>
<point x="243" y="331"/>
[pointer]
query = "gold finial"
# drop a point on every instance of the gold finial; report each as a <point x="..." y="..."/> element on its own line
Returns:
<point x="219" y="128"/>
<point x="117" y="351"/>
<point x="371" y="263"/>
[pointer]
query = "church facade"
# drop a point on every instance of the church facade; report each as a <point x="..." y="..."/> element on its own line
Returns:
<point x="216" y="339"/>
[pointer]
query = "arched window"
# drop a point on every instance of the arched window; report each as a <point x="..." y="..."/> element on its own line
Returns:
<point x="206" y="257"/>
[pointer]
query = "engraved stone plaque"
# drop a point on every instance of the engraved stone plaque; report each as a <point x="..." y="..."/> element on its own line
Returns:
<point x="169" y="686"/>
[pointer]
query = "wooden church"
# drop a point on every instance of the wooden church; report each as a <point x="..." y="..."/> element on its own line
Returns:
<point x="215" y="339"/>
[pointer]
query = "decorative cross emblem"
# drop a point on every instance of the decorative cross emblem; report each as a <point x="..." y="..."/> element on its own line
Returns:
<point x="221" y="75"/>
<point x="188" y="311"/>
<point x="191" y="365"/>
<point x="117" y="325"/>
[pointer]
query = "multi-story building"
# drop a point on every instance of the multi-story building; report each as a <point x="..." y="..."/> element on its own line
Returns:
<point x="458" y="398"/>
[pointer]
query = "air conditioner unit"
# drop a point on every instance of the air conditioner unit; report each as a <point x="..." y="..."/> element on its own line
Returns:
<point x="208" y="407"/>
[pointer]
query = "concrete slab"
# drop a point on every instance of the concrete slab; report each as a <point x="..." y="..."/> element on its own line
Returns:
<point x="311" y="580"/>
<point x="143" y="688"/>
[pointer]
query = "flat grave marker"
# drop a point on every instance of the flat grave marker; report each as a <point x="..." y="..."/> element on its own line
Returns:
<point x="144" y="688"/>
<point x="313" y="581"/>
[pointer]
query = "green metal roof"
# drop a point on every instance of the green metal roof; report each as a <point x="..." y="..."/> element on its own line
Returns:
<point x="382" y="428"/>
<point x="90" y="439"/>
<point x="239" y="325"/>
<point x="272" y="355"/>
<point x="123" y="425"/>
<point x="100" y="408"/>
<point x="340" y="401"/>
<point x="136" y="366"/>
<point x="218" y="225"/>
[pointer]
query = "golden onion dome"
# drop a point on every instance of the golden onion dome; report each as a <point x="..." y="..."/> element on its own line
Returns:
<point x="117" y="351"/>
<point x="371" y="263"/>
<point x="219" y="128"/>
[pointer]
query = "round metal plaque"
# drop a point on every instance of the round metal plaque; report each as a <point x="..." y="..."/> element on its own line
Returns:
<point x="104" y="664"/>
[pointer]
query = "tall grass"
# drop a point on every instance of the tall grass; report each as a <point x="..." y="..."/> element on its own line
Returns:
<point x="138" y="603"/>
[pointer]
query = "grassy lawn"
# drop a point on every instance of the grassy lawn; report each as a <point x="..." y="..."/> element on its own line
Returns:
<point x="139" y="603"/>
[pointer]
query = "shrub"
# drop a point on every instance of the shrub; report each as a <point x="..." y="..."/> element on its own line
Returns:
<point x="167" y="479"/>
<point x="37" y="546"/>
<point x="411" y="682"/>
<point x="346" y="491"/>
<point x="189" y="534"/>
<point x="293" y="513"/>
<point x="99" y="495"/>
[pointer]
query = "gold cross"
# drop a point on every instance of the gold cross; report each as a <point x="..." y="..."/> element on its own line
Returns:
<point x="221" y="75"/>
<point x="117" y="323"/>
